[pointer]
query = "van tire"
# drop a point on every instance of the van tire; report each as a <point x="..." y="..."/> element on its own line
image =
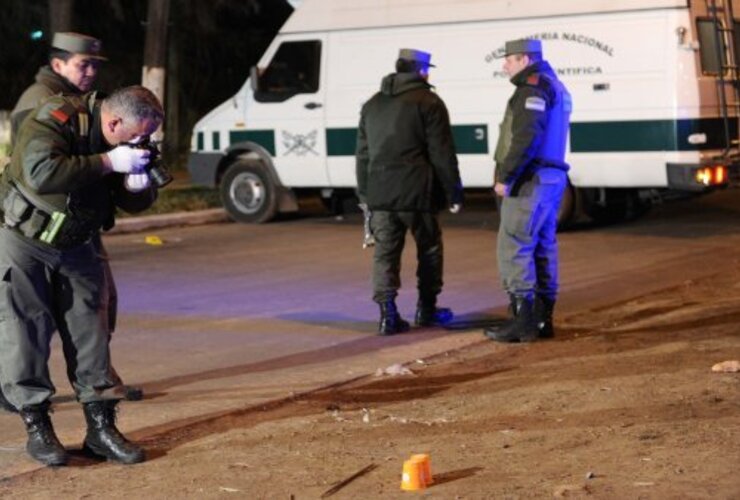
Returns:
<point x="613" y="205"/>
<point x="248" y="193"/>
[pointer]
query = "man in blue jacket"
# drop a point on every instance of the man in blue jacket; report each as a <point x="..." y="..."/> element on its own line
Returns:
<point x="530" y="178"/>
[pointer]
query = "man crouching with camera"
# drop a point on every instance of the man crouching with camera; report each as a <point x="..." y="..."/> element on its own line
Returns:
<point x="69" y="171"/>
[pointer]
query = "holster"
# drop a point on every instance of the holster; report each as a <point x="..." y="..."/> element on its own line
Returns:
<point x="52" y="227"/>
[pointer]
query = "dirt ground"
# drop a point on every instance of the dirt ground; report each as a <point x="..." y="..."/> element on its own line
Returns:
<point x="622" y="404"/>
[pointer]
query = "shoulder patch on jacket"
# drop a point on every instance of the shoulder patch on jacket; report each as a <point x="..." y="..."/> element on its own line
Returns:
<point x="59" y="115"/>
<point x="57" y="110"/>
<point x="535" y="103"/>
<point x="533" y="79"/>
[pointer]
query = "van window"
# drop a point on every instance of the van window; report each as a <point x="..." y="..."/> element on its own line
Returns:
<point x="294" y="70"/>
<point x="710" y="54"/>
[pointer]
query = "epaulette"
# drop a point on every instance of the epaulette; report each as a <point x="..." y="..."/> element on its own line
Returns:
<point x="61" y="112"/>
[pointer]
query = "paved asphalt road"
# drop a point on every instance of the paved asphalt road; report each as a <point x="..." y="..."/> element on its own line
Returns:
<point x="223" y="316"/>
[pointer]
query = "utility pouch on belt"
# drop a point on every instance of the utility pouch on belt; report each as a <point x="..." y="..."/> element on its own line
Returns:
<point x="16" y="208"/>
<point x="37" y="223"/>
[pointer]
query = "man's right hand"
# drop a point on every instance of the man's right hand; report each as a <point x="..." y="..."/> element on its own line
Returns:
<point x="501" y="189"/>
<point x="127" y="160"/>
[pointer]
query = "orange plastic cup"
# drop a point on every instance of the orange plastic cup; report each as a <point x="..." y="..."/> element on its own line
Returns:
<point x="412" y="478"/>
<point x="424" y="459"/>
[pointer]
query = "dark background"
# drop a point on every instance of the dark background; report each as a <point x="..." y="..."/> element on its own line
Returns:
<point x="211" y="45"/>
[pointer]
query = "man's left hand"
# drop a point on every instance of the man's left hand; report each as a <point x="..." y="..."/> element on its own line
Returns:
<point x="137" y="182"/>
<point x="501" y="189"/>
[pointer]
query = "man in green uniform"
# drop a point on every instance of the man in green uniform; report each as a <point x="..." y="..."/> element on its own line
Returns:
<point x="406" y="172"/>
<point x="530" y="177"/>
<point x="74" y="60"/>
<point x="69" y="170"/>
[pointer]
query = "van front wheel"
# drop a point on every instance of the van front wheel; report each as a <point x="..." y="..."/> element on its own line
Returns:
<point x="248" y="194"/>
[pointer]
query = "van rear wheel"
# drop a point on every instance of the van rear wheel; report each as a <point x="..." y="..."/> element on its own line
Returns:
<point x="567" y="210"/>
<point x="248" y="193"/>
<point x="613" y="205"/>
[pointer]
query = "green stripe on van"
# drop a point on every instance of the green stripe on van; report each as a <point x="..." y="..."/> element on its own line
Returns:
<point x="469" y="139"/>
<point x="647" y="135"/>
<point x="265" y="138"/>
<point x="585" y="137"/>
<point x="341" y="141"/>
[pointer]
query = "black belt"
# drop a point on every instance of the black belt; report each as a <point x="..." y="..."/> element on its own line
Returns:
<point x="57" y="229"/>
<point x="540" y="163"/>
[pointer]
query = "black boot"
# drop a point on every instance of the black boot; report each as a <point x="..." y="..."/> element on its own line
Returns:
<point x="512" y="306"/>
<point x="5" y="404"/>
<point x="133" y="393"/>
<point x="104" y="439"/>
<point x="522" y="328"/>
<point x="43" y="444"/>
<point x="390" y="321"/>
<point x="428" y="314"/>
<point x="543" y="308"/>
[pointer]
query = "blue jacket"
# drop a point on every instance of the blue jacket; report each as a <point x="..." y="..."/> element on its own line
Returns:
<point x="535" y="126"/>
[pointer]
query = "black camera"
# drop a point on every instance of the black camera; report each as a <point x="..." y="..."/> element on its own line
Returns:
<point x="158" y="174"/>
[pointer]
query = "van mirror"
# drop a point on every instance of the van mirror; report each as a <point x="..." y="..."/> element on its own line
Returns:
<point x="254" y="79"/>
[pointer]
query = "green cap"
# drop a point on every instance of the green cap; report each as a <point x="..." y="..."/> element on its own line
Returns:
<point x="77" y="43"/>
<point x="522" y="46"/>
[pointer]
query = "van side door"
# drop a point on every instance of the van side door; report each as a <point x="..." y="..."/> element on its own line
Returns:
<point x="289" y="100"/>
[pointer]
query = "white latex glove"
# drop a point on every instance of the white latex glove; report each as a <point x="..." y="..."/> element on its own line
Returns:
<point x="136" y="182"/>
<point x="455" y="208"/>
<point x="128" y="160"/>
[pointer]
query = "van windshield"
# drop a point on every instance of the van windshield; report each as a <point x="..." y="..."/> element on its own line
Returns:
<point x="294" y="70"/>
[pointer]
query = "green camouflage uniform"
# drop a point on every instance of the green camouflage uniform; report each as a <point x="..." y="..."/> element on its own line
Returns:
<point x="52" y="277"/>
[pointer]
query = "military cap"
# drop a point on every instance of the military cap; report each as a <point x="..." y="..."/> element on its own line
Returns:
<point x="522" y="46"/>
<point x="77" y="43"/>
<point x="418" y="56"/>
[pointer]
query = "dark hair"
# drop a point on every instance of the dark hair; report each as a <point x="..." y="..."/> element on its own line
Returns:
<point x="136" y="103"/>
<point x="406" y="66"/>
<point x="55" y="53"/>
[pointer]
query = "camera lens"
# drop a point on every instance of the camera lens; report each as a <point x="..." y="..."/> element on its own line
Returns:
<point x="158" y="175"/>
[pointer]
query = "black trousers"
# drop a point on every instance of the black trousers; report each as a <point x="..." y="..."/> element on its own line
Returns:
<point x="389" y="229"/>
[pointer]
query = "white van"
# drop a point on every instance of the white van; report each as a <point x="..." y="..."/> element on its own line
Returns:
<point x="653" y="110"/>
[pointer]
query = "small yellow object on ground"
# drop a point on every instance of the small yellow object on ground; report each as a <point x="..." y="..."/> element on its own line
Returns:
<point x="153" y="240"/>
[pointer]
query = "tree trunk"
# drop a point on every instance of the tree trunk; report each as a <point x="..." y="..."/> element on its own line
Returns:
<point x="172" y="124"/>
<point x="60" y="16"/>
<point x="155" y="51"/>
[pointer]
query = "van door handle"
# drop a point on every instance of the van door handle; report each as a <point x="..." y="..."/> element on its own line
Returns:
<point x="312" y="105"/>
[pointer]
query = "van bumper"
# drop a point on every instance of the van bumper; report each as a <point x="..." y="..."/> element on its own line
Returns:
<point x="701" y="177"/>
<point x="203" y="168"/>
